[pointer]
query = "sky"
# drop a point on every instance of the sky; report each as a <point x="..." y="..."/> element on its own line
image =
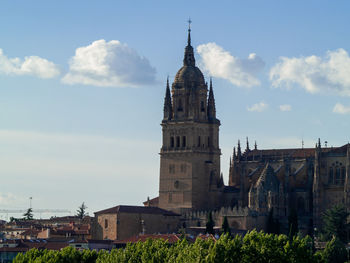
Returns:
<point x="82" y="85"/>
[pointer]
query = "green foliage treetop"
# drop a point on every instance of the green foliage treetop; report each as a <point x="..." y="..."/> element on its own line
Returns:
<point x="335" y="223"/>
<point x="257" y="247"/>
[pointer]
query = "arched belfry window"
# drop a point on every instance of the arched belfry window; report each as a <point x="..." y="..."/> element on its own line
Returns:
<point x="199" y="141"/>
<point x="172" y="143"/>
<point x="177" y="141"/>
<point x="183" y="141"/>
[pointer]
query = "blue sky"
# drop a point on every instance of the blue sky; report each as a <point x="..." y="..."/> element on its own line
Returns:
<point x="82" y="86"/>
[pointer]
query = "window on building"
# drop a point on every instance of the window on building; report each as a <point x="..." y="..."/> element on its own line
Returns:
<point x="330" y="175"/>
<point x="209" y="142"/>
<point x="342" y="175"/>
<point x="106" y="223"/>
<point x="177" y="141"/>
<point x="199" y="141"/>
<point x="183" y="141"/>
<point x="172" y="142"/>
<point x="337" y="175"/>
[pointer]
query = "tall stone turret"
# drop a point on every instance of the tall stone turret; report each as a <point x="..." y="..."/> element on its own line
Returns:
<point x="211" y="103"/>
<point x="168" y="108"/>
<point x="239" y="152"/>
<point x="190" y="154"/>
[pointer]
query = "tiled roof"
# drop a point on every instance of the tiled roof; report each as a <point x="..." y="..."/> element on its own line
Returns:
<point x="136" y="210"/>
<point x="25" y="245"/>
<point x="152" y="202"/>
<point x="30" y="232"/>
<point x="293" y="153"/>
<point x="206" y="237"/>
<point x="171" y="238"/>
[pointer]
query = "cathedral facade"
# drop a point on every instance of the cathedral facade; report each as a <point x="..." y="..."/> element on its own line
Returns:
<point x="306" y="180"/>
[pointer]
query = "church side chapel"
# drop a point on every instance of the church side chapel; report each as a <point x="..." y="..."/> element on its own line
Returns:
<point x="261" y="182"/>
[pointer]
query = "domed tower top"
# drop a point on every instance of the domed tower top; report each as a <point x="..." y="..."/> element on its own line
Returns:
<point x="189" y="100"/>
<point x="189" y="74"/>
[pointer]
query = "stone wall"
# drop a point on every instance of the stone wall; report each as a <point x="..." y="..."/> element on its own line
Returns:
<point x="124" y="225"/>
<point x="238" y="218"/>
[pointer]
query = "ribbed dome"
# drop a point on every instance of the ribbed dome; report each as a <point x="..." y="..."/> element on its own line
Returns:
<point x="187" y="75"/>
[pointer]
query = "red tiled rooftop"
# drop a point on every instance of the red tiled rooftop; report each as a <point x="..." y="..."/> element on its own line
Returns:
<point x="136" y="210"/>
<point x="294" y="152"/>
<point x="171" y="238"/>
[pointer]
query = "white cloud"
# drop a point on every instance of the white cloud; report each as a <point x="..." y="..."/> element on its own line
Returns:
<point x="220" y="63"/>
<point x="341" y="109"/>
<point x="258" y="107"/>
<point x="285" y="107"/>
<point x="329" y="74"/>
<point x="32" y="65"/>
<point x="109" y="64"/>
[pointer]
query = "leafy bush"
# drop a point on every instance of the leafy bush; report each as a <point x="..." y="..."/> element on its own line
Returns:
<point x="335" y="252"/>
<point x="254" y="247"/>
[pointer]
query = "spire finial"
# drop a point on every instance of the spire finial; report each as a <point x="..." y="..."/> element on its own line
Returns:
<point x="211" y="103"/>
<point x="239" y="153"/>
<point x="168" y="111"/>
<point x="189" y="32"/>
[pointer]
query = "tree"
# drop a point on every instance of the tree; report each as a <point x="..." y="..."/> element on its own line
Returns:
<point x="293" y="223"/>
<point x="81" y="212"/>
<point x="335" y="251"/>
<point x="335" y="223"/>
<point x="225" y="226"/>
<point x="13" y="219"/>
<point x="29" y="214"/>
<point x="210" y="224"/>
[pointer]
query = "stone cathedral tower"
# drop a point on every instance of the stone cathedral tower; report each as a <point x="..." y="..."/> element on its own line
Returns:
<point x="190" y="154"/>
